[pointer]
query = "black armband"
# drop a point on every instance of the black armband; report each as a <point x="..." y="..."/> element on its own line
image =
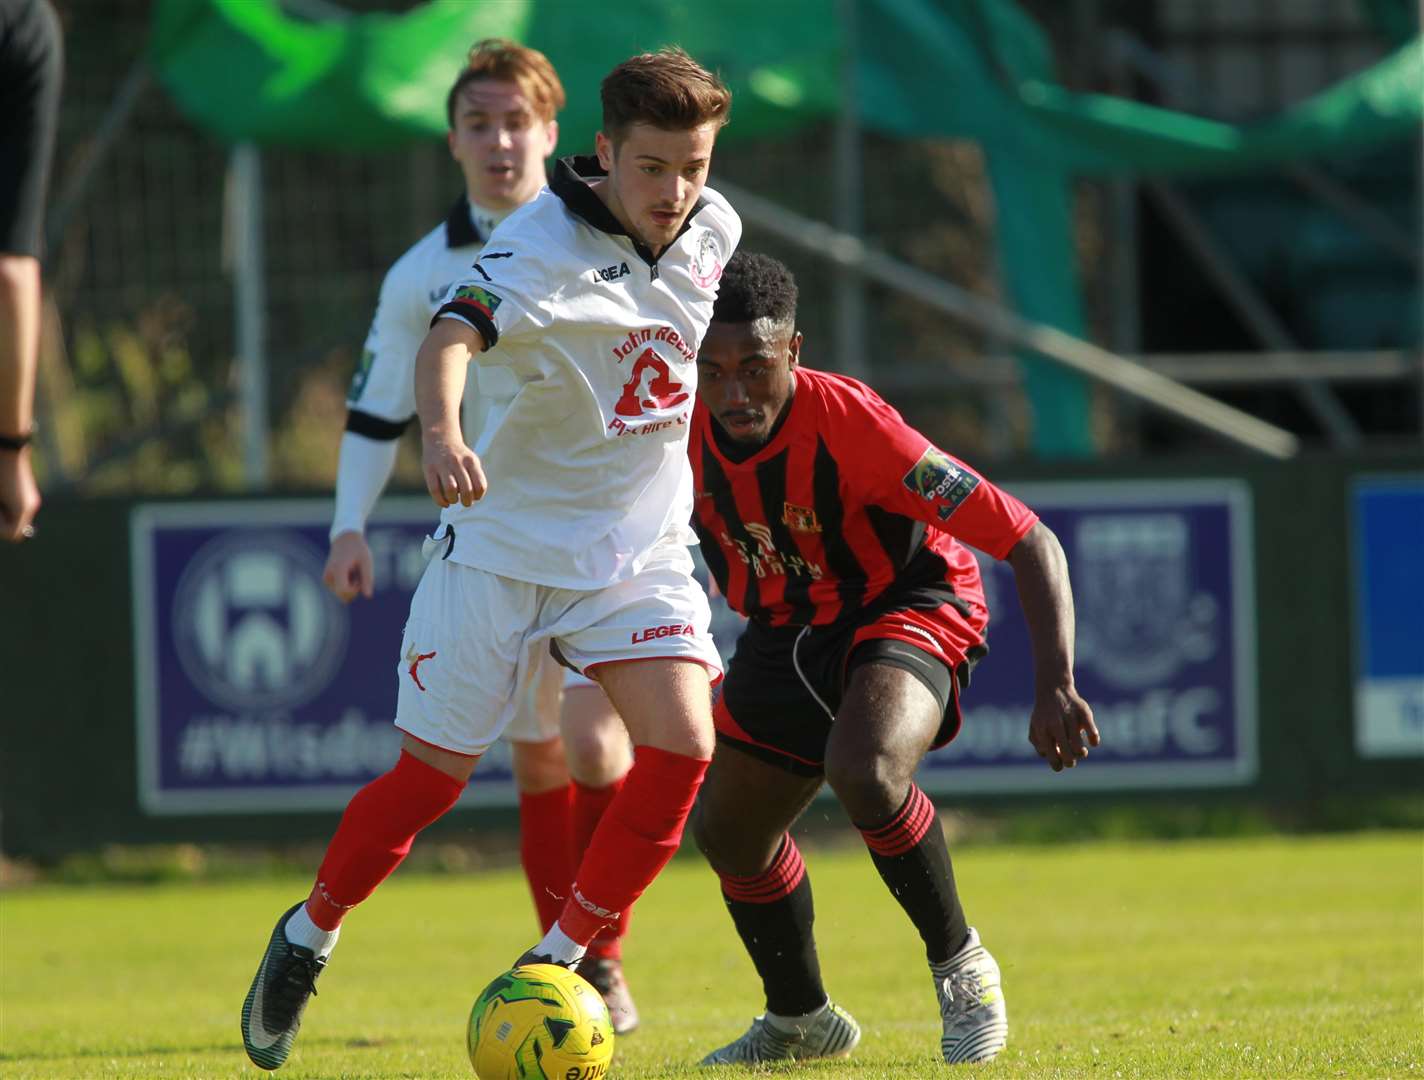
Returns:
<point x="375" y="427"/>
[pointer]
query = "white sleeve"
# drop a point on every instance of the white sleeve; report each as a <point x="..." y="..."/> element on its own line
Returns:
<point x="384" y="384"/>
<point x="723" y="219"/>
<point x="362" y="470"/>
<point x="507" y="291"/>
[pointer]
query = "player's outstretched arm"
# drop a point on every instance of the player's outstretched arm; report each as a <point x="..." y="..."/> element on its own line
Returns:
<point x="452" y="471"/>
<point x="1061" y="727"/>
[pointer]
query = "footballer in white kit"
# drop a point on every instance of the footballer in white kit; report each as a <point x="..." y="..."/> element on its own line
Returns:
<point x="582" y="535"/>
<point x="587" y="308"/>
<point x="381" y="405"/>
<point x="381" y="400"/>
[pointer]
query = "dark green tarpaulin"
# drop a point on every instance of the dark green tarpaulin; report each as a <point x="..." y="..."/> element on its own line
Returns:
<point x="966" y="68"/>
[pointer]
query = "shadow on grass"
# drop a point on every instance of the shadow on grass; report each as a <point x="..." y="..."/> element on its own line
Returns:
<point x="8" y="1057"/>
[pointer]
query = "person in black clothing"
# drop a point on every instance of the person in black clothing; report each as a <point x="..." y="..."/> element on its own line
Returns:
<point x="31" y="68"/>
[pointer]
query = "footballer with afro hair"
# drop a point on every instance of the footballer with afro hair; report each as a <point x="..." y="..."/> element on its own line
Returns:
<point x="841" y="534"/>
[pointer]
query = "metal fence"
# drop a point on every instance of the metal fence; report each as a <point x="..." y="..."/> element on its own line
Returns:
<point x="139" y="384"/>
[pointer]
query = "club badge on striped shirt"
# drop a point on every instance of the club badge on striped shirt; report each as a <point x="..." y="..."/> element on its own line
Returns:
<point x="799" y="518"/>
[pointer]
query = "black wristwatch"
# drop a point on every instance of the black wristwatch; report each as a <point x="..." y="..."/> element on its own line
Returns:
<point x="15" y="442"/>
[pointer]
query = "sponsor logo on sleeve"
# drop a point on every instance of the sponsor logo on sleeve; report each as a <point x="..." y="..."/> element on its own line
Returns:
<point x="482" y="299"/>
<point x="362" y="375"/>
<point x="940" y="482"/>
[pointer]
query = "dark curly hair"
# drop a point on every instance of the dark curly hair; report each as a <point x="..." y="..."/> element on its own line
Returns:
<point x="756" y="286"/>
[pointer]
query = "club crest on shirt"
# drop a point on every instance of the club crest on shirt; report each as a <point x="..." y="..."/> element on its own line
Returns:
<point x="799" y="518"/>
<point x="706" y="265"/>
<point x="483" y="299"/>
<point x="939" y="481"/>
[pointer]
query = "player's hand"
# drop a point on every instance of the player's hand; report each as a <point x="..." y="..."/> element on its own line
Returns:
<point x="348" y="568"/>
<point x="1061" y="727"/>
<point x="19" y="497"/>
<point x="452" y="470"/>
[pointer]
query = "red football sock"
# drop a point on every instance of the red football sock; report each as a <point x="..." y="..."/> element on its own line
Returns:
<point x="544" y="850"/>
<point x="375" y="834"/>
<point x="588" y="807"/>
<point x="638" y="834"/>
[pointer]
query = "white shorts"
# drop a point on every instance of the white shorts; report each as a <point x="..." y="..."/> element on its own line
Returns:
<point x="536" y="712"/>
<point x="574" y="681"/>
<point x="475" y="643"/>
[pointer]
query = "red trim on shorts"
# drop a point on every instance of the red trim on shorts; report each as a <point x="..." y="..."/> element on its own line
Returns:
<point x="727" y="725"/>
<point x="932" y="633"/>
<point x="940" y="632"/>
<point x="437" y="746"/>
<point x="715" y="673"/>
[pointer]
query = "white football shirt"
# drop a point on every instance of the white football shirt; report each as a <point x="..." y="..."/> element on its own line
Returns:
<point x="591" y="348"/>
<point x="383" y="388"/>
<point x="381" y="399"/>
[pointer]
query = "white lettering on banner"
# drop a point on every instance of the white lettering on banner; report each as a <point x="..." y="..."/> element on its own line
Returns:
<point x="1160" y="721"/>
<point x="252" y="748"/>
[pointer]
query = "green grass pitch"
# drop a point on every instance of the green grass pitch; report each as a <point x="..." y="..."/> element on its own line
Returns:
<point x="1274" y="957"/>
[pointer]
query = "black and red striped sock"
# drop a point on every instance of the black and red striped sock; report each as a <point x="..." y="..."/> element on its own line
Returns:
<point x="774" y="914"/>
<point x="910" y="853"/>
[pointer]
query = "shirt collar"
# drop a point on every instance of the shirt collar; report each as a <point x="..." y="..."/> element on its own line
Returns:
<point x="460" y="230"/>
<point x="571" y="183"/>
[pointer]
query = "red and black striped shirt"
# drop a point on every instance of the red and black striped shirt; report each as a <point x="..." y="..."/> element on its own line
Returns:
<point x="833" y="509"/>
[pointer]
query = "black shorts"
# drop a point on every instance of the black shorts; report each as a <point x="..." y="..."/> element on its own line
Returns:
<point x="785" y="683"/>
<point x="31" y="67"/>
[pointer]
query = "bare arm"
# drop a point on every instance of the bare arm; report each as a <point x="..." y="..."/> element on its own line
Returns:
<point x="1061" y="726"/>
<point x="452" y="471"/>
<point x="19" y="352"/>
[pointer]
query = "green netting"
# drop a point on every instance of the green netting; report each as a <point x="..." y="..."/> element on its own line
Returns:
<point x="965" y="68"/>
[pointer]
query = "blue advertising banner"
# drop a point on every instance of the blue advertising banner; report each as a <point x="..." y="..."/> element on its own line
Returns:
<point x="1166" y="645"/>
<point x="257" y="691"/>
<point x="1387" y="541"/>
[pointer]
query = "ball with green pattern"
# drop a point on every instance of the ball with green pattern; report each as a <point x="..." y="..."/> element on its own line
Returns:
<point x="540" y="1022"/>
